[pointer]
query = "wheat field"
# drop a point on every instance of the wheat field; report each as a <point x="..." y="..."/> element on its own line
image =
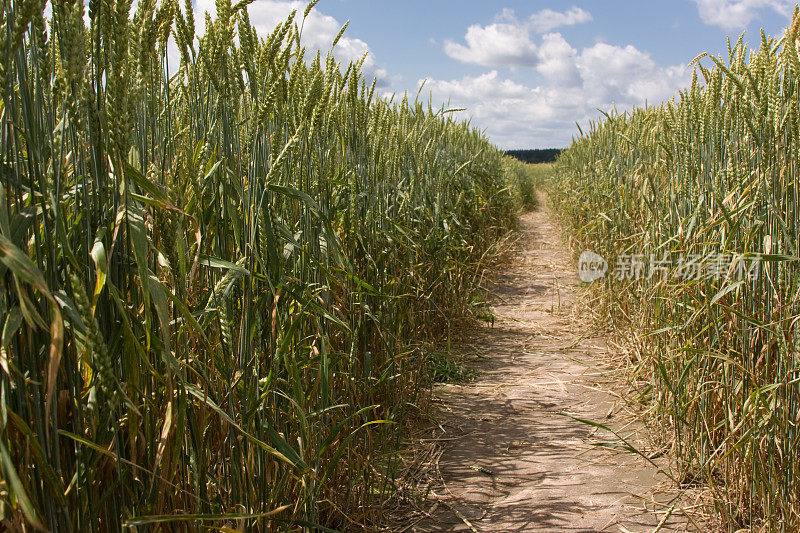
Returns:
<point x="711" y="173"/>
<point x="218" y="277"/>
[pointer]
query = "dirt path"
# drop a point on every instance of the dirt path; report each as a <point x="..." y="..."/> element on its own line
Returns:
<point x="510" y="461"/>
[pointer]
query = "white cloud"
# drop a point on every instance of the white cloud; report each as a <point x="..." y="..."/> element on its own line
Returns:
<point x="737" y="14"/>
<point x="486" y="86"/>
<point x="547" y="19"/>
<point x="508" y="42"/>
<point x="499" y="44"/>
<point x="513" y="115"/>
<point x="617" y="73"/>
<point x="557" y="60"/>
<point x="575" y="84"/>
<point x="319" y="30"/>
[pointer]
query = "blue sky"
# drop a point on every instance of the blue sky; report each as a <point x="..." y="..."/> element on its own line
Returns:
<point x="527" y="71"/>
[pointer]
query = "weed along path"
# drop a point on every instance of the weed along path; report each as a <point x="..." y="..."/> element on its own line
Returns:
<point x="507" y="458"/>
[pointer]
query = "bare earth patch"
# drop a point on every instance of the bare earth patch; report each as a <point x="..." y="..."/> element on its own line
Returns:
<point x="507" y="458"/>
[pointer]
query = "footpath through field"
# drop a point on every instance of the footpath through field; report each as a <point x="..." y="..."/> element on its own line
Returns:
<point x="509" y="460"/>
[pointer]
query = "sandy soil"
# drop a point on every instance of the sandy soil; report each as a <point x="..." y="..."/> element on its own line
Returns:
<point x="509" y="460"/>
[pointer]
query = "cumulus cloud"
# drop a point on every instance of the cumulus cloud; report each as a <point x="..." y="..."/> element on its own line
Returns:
<point x="575" y="84"/>
<point x="499" y="44"/>
<point x="572" y="85"/>
<point x="737" y="14"/>
<point x="547" y="19"/>
<point x="626" y="75"/>
<point x="513" y="115"/>
<point x="485" y="87"/>
<point x="319" y="30"/>
<point x="508" y="42"/>
<point x="557" y="61"/>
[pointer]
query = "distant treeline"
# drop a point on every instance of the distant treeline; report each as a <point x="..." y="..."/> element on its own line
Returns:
<point x="547" y="155"/>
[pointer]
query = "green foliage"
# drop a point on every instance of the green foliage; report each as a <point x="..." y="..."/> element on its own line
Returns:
<point x="444" y="367"/>
<point x="711" y="172"/>
<point x="524" y="180"/>
<point x="210" y="282"/>
<point x="535" y="157"/>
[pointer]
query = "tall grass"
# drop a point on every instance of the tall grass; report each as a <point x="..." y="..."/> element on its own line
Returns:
<point x="525" y="179"/>
<point x="713" y="171"/>
<point x="214" y="283"/>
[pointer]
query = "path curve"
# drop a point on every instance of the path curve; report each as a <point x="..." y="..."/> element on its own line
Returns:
<point x="510" y="461"/>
